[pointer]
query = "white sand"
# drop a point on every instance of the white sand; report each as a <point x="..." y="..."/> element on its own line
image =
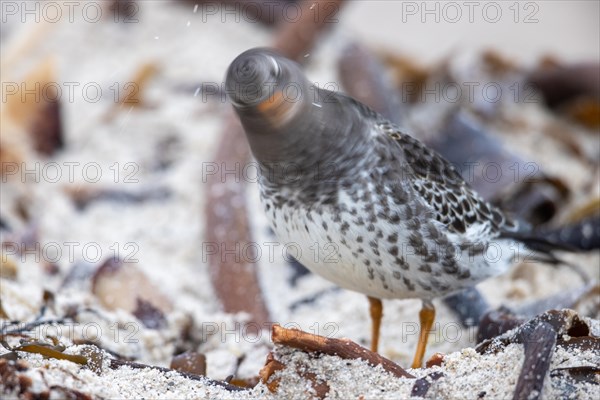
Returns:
<point x="169" y="234"/>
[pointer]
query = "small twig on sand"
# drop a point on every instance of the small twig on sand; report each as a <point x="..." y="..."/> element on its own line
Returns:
<point x="343" y="348"/>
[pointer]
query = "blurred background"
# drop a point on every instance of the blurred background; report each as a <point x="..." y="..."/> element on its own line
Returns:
<point x="117" y="148"/>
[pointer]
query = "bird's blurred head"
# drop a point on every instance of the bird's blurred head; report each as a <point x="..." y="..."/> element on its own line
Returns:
<point x="285" y="118"/>
<point x="263" y="84"/>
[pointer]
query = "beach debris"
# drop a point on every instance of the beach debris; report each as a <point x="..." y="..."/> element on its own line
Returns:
<point x="226" y="217"/>
<point x="571" y="90"/>
<point x="560" y="83"/>
<point x="295" y="38"/>
<point x="585" y="300"/>
<point x="343" y="348"/>
<point x="497" y="322"/>
<point x="83" y="197"/>
<point x="121" y="285"/>
<point x="190" y="362"/>
<point x="33" y="107"/>
<point x="363" y="77"/>
<point x="150" y="316"/>
<point x="8" y="268"/>
<point x="80" y="274"/>
<point x="539" y="346"/>
<point x="468" y="305"/>
<point x="422" y="385"/>
<point x="408" y="76"/>
<point x="437" y="359"/>
<point x="567" y="324"/>
<point x="131" y="95"/>
<point x="583" y="235"/>
<point x="516" y="185"/>
<point x="47" y="350"/>
<point x="590" y="208"/>
<point x="540" y="335"/>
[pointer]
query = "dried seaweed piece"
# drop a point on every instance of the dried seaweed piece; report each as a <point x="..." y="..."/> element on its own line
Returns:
<point x="422" y="385"/>
<point x="94" y="357"/>
<point x="35" y="106"/>
<point x="539" y="346"/>
<point x="342" y="348"/>
<point x="588" y="374"/>
<point x="583" y="235"/>
<point x="566" y="324"/>
<point x="190" y="362"/>
<point x="151" y="317"/>
<point x="497" y="322"/>
<point x="585" y="111"/>
<point x="590" y="208"/>
<point x="80" y="273"/>
<point x="132" y="92"/>
<point x="134" y="89"/>
<point x="46" y="128"/>
<point x="407" y="75"/>
<point x="562" y="83"/>
<point x="468" y="146"/>
<point x="469" y="305"/>
<point x="536" y="199"/>
<point x="234" y="279"/>
<point x="363" y="77"/>
<point x="84" y="197"/>
<point x="571" y="299"/>
<point x="50" y="352"/>
<point x="582" y="343"/>
<point x="119" y="285"/>
<point x="8" y="268"/>
<point x="294" y="39"/>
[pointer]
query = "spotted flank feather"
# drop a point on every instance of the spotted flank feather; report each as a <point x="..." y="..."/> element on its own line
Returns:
<point x="455" y="204"/>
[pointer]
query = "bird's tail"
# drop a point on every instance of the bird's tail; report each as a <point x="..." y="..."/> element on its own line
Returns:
<point x="545" y="248"/>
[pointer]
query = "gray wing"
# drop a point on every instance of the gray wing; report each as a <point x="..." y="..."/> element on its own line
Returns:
<point x="453" y="201"/>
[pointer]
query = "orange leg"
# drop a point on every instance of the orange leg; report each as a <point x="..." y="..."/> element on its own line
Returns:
<point x="426" y="318"/>
<point x="376" y="310"/>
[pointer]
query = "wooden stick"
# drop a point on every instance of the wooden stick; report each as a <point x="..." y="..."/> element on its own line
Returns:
<point x="298" y="34"/>
<point x="343" y="348"/>
<point x="227" y="226"/>
<point x="228" y="229"/>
